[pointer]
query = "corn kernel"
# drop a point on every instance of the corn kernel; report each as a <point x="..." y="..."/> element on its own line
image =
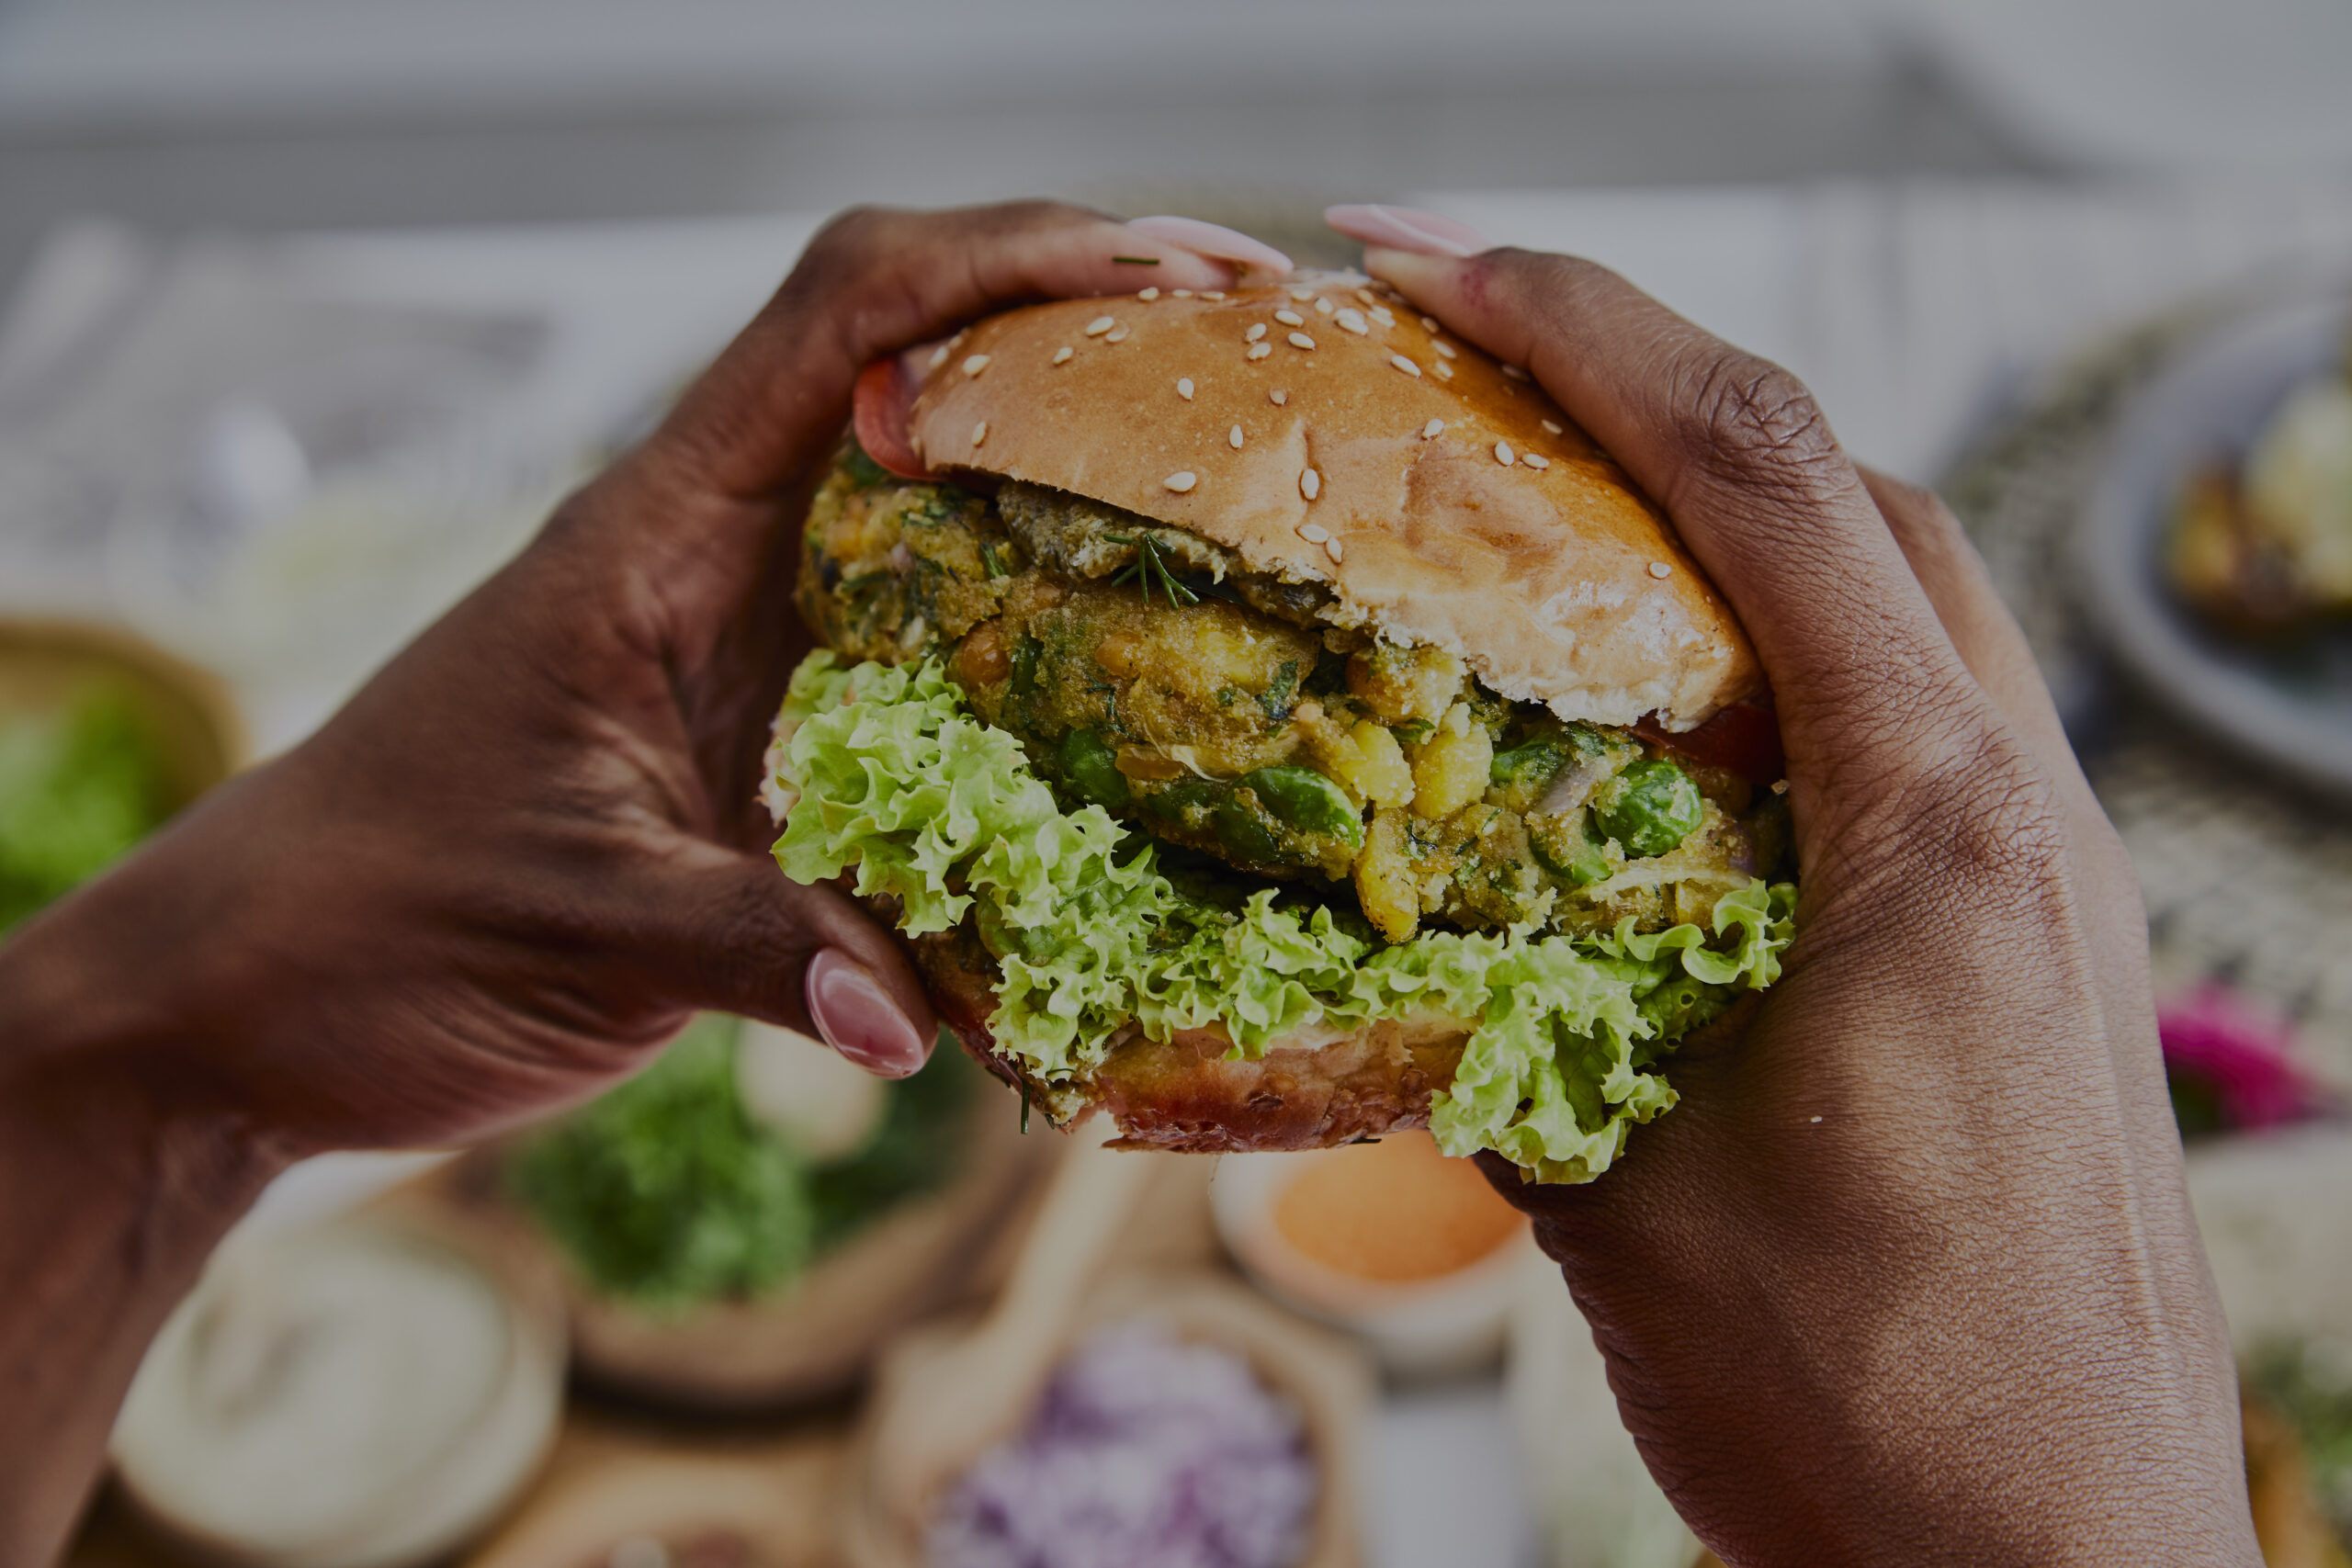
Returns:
<point x="1384" y="882"/>
<point x="1372" y="764"/>
<point x="1401" y="683"/>
<point x="1451" y="770"/>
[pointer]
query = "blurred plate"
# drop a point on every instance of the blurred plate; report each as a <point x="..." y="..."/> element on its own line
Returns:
<point x="2292" y="709"/>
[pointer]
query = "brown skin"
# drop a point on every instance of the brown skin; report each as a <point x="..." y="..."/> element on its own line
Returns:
<point x="1909" y="1276"/>
<point x="1961" y="1319"/>
<point x="495" y="882"/>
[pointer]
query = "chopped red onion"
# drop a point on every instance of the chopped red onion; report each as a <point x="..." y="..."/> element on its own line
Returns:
<point x="1145" y="1451"/>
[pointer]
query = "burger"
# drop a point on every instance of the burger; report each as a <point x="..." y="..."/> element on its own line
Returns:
<point x="1271" y="722"/>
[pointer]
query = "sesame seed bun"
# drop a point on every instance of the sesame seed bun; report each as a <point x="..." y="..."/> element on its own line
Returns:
<point x="1446" y="501"/>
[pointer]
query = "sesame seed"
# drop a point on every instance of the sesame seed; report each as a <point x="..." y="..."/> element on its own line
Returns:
<point x="1259" y="350"/>
<point x="939" y="356"/>
<point x="1212" y="293"/>
<point x="1535" y="459"/>
<point x="1184" y="388"/>
<point x="1429" y="324"/>
<point x="1062" y="355"/>
<point x="1367" y="296"/>
<point x="1257" y="330"/>
<point x="1407" y="365"/>
<point x="1444" y="371"/>
<point x="1290" y="318"/>
<point x="1100" y="325"/>
<point x="980" y="432"/>
<point x="1147" y="293"/>
<point x="1322" y="306"/>
<point x="1183" y="482"/>
<point x="1234" y="436"/>
<point x="1300" y="340"/>
<point x="1278" y="396"/>
<point x="1313" y="532"/>
<point x="1383" y="314"/>
<point x="975" y="364"/>
<point x="1179" y="294"/>
<point x="1446" y="349"/>
<point x="1354" y="321"/>
<point x="1660" y="570"/>
<point x="1553" y="428"/>
<point x="1433" y="430"/>
<point x="1503" y="453"/>
<point x="1514" y="372"/>
<point x="1302" y="295"/>
<point x="1310" y="484"/>
<point x="1331" y="548"/>
<point x="1117" y="334"/>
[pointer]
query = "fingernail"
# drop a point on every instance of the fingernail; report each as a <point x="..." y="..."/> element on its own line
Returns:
<point x="1213" y="240"/>
<point x="858" y="1019"/>
<point x="1407" y="228"/>
<point x="1412" y="272"/>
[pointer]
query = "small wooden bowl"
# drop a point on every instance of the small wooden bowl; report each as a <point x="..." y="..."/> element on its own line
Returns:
<point x="819" y="1336"/>
<point x="1325" y="1377"/>
<point x="199" y="737"/>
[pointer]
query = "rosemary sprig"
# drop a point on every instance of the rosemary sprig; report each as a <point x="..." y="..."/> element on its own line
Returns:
<point x="1151" y="569"/>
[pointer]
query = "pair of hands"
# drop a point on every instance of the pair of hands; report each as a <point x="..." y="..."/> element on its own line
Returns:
<point x="1907" y="1276"/>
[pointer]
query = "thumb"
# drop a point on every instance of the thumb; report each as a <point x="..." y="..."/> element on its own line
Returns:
<point x="737" y="935"/>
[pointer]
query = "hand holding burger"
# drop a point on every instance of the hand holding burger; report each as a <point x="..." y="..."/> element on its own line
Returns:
<point x="1910" y="1275"/>
<point x="1907" y="1275"/>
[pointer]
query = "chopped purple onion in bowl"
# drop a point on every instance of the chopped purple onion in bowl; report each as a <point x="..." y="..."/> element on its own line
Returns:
<point x="1144" y="1450"/>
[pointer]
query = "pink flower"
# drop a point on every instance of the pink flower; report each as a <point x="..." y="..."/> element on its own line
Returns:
<point x="2245" y="1062"/>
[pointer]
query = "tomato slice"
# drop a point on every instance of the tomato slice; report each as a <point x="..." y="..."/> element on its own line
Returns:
<point x="881" y="411"/>
<point x="1745" y="737"/>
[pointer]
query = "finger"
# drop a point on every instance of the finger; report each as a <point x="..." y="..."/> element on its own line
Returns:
<point x="736" y="935"/>
<point x="1983" y="632"/>
<point x="1216" y="241"/>
<point x="1747" y="468"/>
<point x="1407" y="228"/>
<point x="873" y="282"/>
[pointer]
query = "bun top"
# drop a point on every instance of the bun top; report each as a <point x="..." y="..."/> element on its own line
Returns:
<point x="1444" y="498"/>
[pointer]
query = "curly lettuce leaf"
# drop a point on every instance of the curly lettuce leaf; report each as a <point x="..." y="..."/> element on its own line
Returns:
<point x="893" y="781"/>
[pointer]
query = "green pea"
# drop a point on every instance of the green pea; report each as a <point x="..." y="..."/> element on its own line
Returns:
<point x="1565" y="847"/>
<point x="1308" y="802"/>
<point x="1247" y="836"/>
<point x="1650" y="808"/>
<point x="1522" y="774"/>
<point x="1531" y="764"/>
<point x="1093" y="770"/>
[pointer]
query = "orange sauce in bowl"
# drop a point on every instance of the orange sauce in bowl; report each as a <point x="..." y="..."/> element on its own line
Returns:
<point x="1395" y="1213"/>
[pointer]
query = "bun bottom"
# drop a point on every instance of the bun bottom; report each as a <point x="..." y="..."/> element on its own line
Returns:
<point x="1183" y="1093"/>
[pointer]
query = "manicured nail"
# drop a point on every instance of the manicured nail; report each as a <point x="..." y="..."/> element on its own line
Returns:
<point x="1407" y="228"/>
<point x="1213" y="240"/>
<point x="858" y="1019"/>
